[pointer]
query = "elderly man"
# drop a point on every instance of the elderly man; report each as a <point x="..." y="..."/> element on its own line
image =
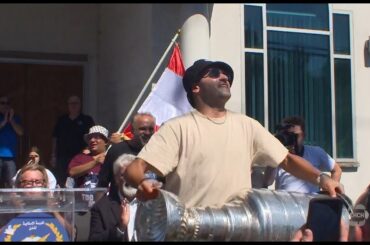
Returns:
<point x="113" y="216"/>
<point x="206" y="155"/>
<point x="143" y="125"/>
<point x="84" y="168"/>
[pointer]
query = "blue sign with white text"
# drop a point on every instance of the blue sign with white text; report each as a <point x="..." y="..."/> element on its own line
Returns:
<point x="34" y="227"/>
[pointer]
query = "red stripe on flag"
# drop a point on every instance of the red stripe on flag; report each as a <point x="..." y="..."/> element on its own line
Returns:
<point x="175" y="63"/>
<point x="128" y="132"/>
<point x="176" y="66"/>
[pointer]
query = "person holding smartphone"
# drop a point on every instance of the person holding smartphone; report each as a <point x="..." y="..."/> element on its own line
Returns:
<point x="305" y="234"/>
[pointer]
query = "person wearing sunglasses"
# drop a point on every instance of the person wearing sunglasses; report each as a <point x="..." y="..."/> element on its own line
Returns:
<point x="207" y="154"/>
<point x="10" y="130"/>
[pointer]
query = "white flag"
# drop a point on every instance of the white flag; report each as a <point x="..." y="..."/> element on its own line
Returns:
<point x="168" y="98"/>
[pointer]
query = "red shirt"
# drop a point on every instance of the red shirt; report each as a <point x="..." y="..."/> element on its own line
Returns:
<point x="79" y="160"/>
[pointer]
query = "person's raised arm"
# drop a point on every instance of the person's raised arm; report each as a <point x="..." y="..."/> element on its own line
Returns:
<point x="302" y="169"/>
<point x="16" y="126"/>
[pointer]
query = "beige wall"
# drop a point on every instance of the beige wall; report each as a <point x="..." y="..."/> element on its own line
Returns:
<point x="124" y="58"/>
<point x="356" y="182"/>
<point x="226" y="45"/>
<point x="53" y="28"/>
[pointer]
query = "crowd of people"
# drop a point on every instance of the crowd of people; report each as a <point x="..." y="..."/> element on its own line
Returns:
<point x="203" y="157"/>
<point x="80" y="160"/>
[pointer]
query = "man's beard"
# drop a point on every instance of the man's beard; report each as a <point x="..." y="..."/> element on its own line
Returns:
<point x="128" y="191"/>
<point x="144" y="139"/>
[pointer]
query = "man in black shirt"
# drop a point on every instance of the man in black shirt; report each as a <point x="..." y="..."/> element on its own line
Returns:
<point x="68" y="137"/>
<point x="143" y="125"/>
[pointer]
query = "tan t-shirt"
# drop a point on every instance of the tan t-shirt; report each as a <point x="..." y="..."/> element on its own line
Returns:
<point x="207" y="160"/>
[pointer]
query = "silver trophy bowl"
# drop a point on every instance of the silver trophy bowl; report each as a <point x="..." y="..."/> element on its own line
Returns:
<point x="250" y="215"/>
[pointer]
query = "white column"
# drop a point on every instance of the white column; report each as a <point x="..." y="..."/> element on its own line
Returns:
<point x="194" y="37"/>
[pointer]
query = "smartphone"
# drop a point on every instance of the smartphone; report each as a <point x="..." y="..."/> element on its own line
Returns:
<point x="324" y="215"/>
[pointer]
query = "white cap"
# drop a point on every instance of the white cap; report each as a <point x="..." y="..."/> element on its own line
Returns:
<point x="97" y="129"/>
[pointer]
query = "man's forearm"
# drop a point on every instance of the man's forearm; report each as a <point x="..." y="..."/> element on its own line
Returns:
<point x="336" y="173"/>
<point x="135" y="172"/>
<point x="300" y="168"/>
<point x="3" y="123"/>
<point x="17" y="128"/>
<point x="82" y="169"/>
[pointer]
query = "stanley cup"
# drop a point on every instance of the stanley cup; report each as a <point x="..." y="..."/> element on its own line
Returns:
<point x="251" y="215"/>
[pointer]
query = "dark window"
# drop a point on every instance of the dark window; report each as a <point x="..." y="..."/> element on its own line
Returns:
<point x="253" y="27"/>
<point x="343" y="108"/>
<point x="254" y="86"/>
<point x="341" y="34"/>
<point x="306" y="16"/>
<point x="299" y="83"/>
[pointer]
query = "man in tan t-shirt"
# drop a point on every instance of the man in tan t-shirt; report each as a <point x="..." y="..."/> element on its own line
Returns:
<point x="206" y="155"/>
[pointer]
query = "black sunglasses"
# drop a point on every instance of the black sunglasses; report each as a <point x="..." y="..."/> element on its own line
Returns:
<point x="4" y="102"/>
<point x="215" y="72"/>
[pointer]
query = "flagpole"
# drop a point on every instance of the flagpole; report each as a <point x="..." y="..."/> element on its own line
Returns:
<point x="149" y="81"/>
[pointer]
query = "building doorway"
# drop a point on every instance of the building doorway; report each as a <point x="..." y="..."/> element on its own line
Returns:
<point x="38" y="94"/>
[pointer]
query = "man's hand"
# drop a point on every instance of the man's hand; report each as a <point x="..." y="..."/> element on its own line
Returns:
<point x="5" y="120"/>
<point x="331" y="186"/>
<point x="302" y="235"/>
<point x="99" y="158"/>
<point x="302" y="169"/>
<point x="116" y="138"/>
<point x="125" y="214"/>
<point x="11" y="114"/>
<point x="148" y="189"/>
<point x="305" y="235"/>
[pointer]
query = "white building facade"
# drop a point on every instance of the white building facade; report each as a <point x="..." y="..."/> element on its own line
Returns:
<point x="289" y="59"/>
